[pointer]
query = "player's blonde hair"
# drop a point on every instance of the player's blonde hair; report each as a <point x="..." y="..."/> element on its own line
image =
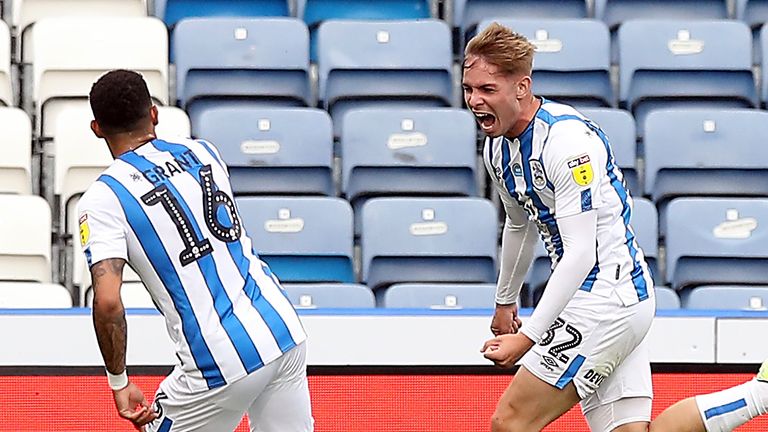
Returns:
<point x="511" y="52"/>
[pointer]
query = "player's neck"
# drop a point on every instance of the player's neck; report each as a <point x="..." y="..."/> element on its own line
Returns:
<point x="124" y="142"/>
<point x="530" y="110"/>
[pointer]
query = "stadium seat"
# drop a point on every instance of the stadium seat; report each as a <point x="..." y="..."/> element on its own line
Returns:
<point x="173" y="11"/>
<point x="572" y="62"/>
<point x="619" y="126"/>
<point x="133" y="294"/>
<point x="673" y="64"/>
<point x="6" y="88"/>
<point x="764" y="68"/>
<point x="644" y="223"/>
<point x="25" y="251"/>
<point x="716" y="241"/>
<point x="34" y="295"/>
<point x="172" y="123"/>
<point x="313" y="12"/>
<point x="376" y="63"/>
<point x="16" y="154"/>
<point x="733" y="297"/>
<point x="407" y="152"/>
<point x="428" y="240"/>
<point x="302" y="239"/>
<point x="666" y="298"/>
<point x="706" y="152"/>
<point x="615" y="12"/>
<point x="754" y="13"/>
<point x="71" y="53"/>
<point x="273" y="151"/>
<point x="440" y="296"/>
<point x="328" y="295"/>
<point x="26" y="12"/>
<point x="242" y="62"/>
<point x="468" y="13"/>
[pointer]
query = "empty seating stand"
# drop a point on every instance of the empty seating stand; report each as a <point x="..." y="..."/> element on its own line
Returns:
<point x="277" y="151"/>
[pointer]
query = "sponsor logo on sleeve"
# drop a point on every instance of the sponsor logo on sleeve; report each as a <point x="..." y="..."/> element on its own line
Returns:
<point x="85" y="232"/>
<point x="581" y="170"/>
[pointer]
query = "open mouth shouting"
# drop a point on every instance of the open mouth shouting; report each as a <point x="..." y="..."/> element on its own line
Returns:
<point x="485" y="120"/>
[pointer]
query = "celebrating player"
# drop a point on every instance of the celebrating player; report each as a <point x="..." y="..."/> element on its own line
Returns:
<point x="555" y="173"/>
<point x="166" y="209"/>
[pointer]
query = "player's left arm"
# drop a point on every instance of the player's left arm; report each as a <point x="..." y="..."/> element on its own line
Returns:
<point x="575" y="162"/>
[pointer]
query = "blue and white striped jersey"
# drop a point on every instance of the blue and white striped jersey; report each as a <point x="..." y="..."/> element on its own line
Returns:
<point x="167" y="209"/>
<point x="561" y="165"/>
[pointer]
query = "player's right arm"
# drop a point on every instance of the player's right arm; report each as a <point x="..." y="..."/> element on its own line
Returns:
<point x="518" y="240"/>
<point x="102" y="235"/>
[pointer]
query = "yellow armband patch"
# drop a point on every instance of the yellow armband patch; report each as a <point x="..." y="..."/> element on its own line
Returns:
<point x="85" y="233"/>
<point x="581" y="170"/>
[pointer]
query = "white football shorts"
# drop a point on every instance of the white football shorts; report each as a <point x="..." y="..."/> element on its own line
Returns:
<point x="598" y="344"/>
<point x="275" y="397"/>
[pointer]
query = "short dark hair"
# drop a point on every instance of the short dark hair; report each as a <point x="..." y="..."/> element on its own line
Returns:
<point x="120" y="101"/>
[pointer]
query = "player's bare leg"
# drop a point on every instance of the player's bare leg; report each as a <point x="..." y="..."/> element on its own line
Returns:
<point x="683" y="416"/>
<point x="529" y="404"/>
<point x="632" y="427"/>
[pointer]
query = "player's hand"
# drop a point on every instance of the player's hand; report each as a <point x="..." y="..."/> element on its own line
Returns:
<point x="133" y="406"/>
<point x="505" y="350"/>
<point x="505" y="320"/>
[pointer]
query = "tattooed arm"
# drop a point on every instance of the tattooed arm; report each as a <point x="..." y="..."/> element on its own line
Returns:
<point x="108" y="313"/>
<point x="111" y="332"/>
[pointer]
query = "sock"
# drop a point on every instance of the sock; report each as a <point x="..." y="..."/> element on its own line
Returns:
<point x="726" y="410"/>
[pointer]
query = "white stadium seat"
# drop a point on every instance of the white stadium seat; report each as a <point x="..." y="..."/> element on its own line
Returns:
<point x="25" y="230"/>
<point x="70" y="54"/>
<point x="15" y="151"/>
<point x="6" y="90"/>
<point x="27" y="12"/>
<point x="33" y="295"/>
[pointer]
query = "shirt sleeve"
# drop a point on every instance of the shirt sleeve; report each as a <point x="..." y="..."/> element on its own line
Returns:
<point x="575" y="160"/>
<point x="102" y="225"/>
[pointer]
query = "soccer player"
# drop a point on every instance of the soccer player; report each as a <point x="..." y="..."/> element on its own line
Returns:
<point x="555" y="174"/>
<point x="166" y="209"/>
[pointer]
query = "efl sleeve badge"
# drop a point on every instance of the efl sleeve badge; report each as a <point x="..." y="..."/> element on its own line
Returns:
<point x="581" y="170"/>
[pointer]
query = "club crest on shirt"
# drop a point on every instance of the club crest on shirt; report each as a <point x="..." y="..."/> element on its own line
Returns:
<point x="581" y="170"/>
<point x="85" y="232"/>
<point x="537" y="175"/>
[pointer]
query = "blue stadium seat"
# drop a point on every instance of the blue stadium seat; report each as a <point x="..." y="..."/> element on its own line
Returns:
<point x="172" y="11"/>
<point x="716" y="241"/>
<point x="706" y="152"/>
<point x="468" y="13"/>
<point x="428" y="240"/>
<point x="277" y="151"/>
<point x="670" y="64"/>
<point x="733" y="297"/>
<point x="241" y="61"/>
<point x="329" y="295"/>
<point x="754" y="13"/>
<point x="666" y="298"/>
<point x="383" y="63"/>
<point x="440" y="296"/>
<point x="615" y="12"/>
<point x="572" y="62"/>
<point x="619" y="126"/>
<point x="764" y="68"/>
<point x="644" y="223"/>
<point x="314" y="12"/>
<point x="303" y="239"/>
<point x="406" y="152"/>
